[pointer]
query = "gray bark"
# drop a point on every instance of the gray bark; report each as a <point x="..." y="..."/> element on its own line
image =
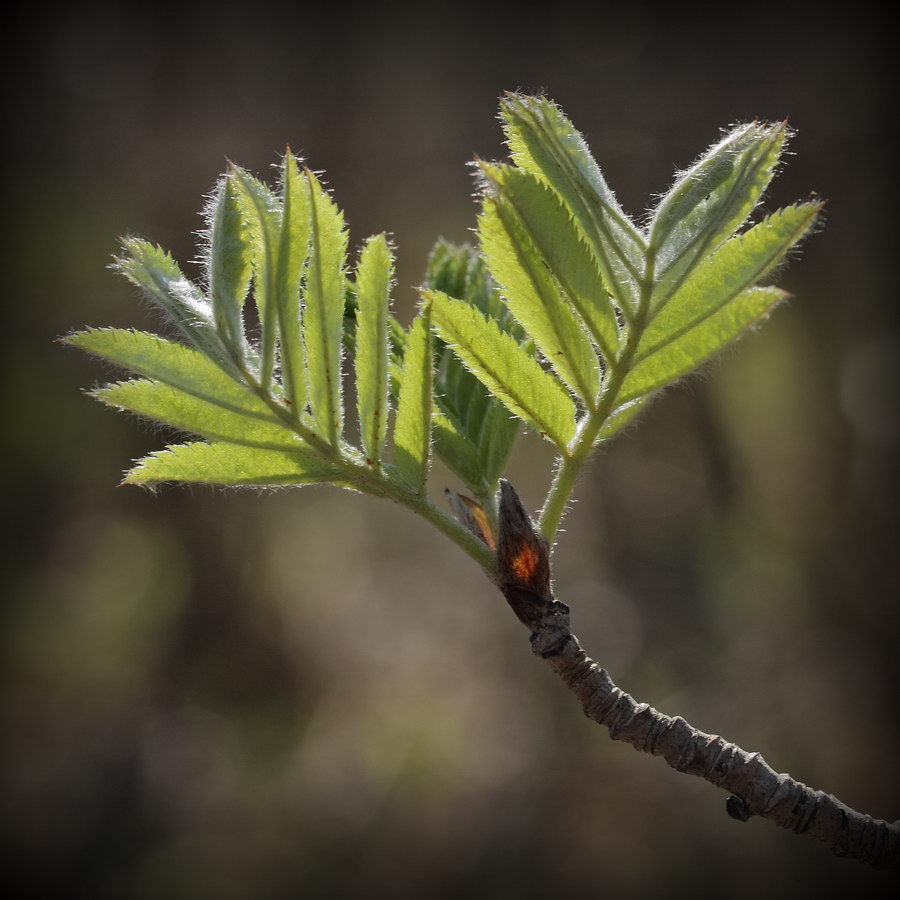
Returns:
<point x="523" y="575"/>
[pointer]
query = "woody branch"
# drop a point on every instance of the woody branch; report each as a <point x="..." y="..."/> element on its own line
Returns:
<point x="523" y="575"/>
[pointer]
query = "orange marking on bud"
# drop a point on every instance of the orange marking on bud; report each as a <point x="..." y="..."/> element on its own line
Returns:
<point x="524" y="562"/>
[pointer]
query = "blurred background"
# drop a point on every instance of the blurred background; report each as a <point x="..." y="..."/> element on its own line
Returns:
<point x="309" y="693"/>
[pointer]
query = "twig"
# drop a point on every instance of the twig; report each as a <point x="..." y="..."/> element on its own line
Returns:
<point x="523" y="575"/>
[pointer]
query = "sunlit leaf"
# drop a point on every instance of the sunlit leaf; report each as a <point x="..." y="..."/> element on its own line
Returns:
<point x="263" y="213"/>
<point x="323" y="313"/>
<point x="737" y="265"/>
<point x="229" y="464"/>
<point x="552" y="231"/>
<point x="505" y="368"/>
<point x="543" y="141"/>
<point x="373" y="284"/>
<point x="497" y="437"/>
<point x="158" y="275"/>
<point x="710" y="200"/>
<point x="535" y="300"/>
<point x="458" y="451"/>
<point x="692" y="349"/>
<point x="174" y="364"/>
<point x="230" y="263"/>
<point x="189" y="413"/>
<point x="473" y="431"/>
<point x="412" y="428"/>
<point x="293" y="249"/>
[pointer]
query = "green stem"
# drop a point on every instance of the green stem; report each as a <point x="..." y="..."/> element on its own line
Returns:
<point x="360" y="476"/>
<point x="377" y="484"/>
<point x="590" y="426"/>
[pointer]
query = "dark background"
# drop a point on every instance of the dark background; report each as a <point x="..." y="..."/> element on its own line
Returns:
<point x="310" y="693"/>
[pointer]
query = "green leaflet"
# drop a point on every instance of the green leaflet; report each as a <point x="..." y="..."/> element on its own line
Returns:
<point x="412" y="428"/>
<point x="535" y="300"/>
<point x="543" y="141"/>
<point x="458" y="451"/>
<point x="189" y="413"/>
<point x="373" y="284"/>
<point x="473" y="432"/>
<point x="711" y="200"/>
<point x="174" y="364"/>
<point x="263" y="214"/>
<point x="229" y="263"/>
<point x="505" y="368"/>
<point x="293" y="249"/>
<point x="323" y="316"/>
<point x="737" y="265"/>
<point x="228" y="464"/>
<point x="157" y="274"/>
<point x="552" y="231"/>
<point x="498" y="433"/>
<point x="690" y="350"/>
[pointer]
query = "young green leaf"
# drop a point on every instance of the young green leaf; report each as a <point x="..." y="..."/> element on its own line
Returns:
<point x="293" y="249"/>
<point x="505" y="368"/>
<point x="158" y="275"/>
<point x="473" y="431"/>
<point x="323" y="316"/>
<point x="544" y="142"/>
<point x="229" y="263"/>
<point x="736" y="266"/>
<point x="690" y="350"/>
<point x="412" y="428"/>
<point x="263" y="213"/>
<point x="496" y="439"/>
<point x="189" y="413"/>
<point x="535" y="301"/>
<point x="228" y="464"/>
<point x="174" y="364"/>
<point x="711" y="200"/>
<point x="373" y="284"/>
<point x="458" y="451"/>
<point x="552" y="231"/>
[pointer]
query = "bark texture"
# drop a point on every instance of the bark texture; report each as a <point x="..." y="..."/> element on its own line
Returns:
<point x="523" y="575"/>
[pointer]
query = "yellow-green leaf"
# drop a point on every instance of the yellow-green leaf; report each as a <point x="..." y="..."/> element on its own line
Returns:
<point x="373" y="285"/>
<point x="535" y="300"/>
<point x="686" y="353"/>
<point x="189" y="413"/>
<point x="230" y="464"/>
<point x="323" y="313"/>
<point x="412" y="429"/>
<point x="505" y="368"/>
